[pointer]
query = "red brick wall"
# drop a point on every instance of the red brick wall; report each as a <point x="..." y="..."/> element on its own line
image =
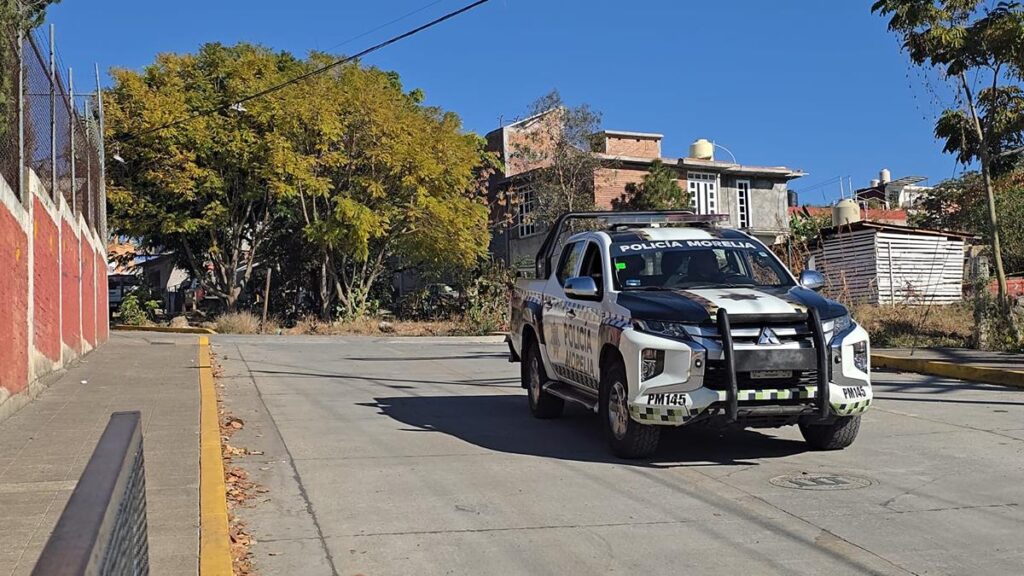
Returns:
<point x="610" y="184"/>
<point x="71" y="279"/>
<point x="13" y="304"/>
<point x="88" y="293"/>
<point x="635" y="147"/>
<point x="46" y="280"/>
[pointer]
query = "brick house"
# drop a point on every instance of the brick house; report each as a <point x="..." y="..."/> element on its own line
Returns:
<point x="755" y="197"/>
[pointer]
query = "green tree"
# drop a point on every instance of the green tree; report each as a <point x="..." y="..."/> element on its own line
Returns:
<point x="804" y="227"/>
<point x="561" y="147"/>
<point x="202" y="188"/>
<point x="659" y="190"/>
<point x="23" y="14"/>
<point x="959" y="204"/>
<point x="381" y="181"/>
<point x="969" y="38"/>
<point x="15" y="16"/>
<point x="339" y="178"/>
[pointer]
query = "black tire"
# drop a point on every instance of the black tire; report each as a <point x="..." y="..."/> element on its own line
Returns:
<point x="835" y="436"/>
<point x="627" y="437"/>
<point x="542" y="403"/>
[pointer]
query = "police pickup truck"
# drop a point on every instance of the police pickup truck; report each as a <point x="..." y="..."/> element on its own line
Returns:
<point x="655" y="319"/>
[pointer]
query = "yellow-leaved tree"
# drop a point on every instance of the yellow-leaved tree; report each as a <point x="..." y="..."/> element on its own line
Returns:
<point x="367" y="177"/>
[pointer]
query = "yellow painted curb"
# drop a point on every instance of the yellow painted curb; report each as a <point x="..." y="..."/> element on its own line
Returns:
<point x="1000" y="376"/>
<point x="166" y="329"/>
<point x="214" y="541"/>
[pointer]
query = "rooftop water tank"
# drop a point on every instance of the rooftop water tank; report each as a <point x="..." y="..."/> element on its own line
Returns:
<point x="845" y="212"/>
<point x="885" y="176"/>
<point x="702" y="150"/>
<point x="875" y="182"/>
<point x="792" y="200"/>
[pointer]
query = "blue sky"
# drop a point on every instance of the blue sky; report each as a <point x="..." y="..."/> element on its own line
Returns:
<point x="816" y="85"/>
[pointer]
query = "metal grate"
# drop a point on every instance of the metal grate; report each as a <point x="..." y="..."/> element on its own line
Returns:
<point x="103" y="528"/>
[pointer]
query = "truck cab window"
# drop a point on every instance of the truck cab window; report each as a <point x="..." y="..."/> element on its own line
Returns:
<point x="593" y="266"/>
<point x="570" y="261"/>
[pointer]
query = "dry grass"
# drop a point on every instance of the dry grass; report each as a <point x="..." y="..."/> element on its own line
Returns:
<point x="920" y="326"/>
<point x="238" y="323"/>
<point x="377" y="327"/>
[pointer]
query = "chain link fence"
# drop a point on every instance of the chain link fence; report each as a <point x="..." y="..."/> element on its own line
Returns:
<point x="48" y="130"/>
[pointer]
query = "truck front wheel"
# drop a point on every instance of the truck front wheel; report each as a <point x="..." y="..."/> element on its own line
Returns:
<point x="628" y="438"/>
<point x="836" y="435"/>
<point x="542" y="403"/>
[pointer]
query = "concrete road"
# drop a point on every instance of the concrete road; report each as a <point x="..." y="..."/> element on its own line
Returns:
<point x="420" y="457"/>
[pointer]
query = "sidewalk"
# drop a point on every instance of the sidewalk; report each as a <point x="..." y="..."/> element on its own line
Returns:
<point x="975" y="365"/>
<point x="44" y="447"/>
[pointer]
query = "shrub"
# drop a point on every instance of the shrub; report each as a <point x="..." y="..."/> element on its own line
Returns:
<point x="136" y="309"/>
<point x="487" y="300"/>
<point x="238" y="323"/>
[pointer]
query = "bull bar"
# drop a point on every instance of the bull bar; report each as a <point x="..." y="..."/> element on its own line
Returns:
<point x="820" y="360"/>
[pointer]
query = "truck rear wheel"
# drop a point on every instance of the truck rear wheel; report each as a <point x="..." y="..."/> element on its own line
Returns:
<point x="628" y="438"/>
<point x="542" y="403"/>
<point x="837" y="435"/>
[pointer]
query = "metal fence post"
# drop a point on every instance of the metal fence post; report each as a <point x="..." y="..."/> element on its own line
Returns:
<point x="23" y="194"/>
<point x="100" y="144"/>
<point x="71" y="131"/>
<point x="53" y="116"/>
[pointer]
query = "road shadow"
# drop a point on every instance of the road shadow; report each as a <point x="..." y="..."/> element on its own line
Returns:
<point x="502" y="423"/>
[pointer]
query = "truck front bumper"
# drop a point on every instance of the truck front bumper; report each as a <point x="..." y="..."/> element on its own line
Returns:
<point x="684" y="391"/>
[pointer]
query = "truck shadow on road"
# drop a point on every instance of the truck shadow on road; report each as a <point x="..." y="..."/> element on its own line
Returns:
<point x="502" y="423"/>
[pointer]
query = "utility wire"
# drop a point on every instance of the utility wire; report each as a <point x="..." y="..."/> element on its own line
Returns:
<point x="386" y="24"/>
<point x="309" y="74"/>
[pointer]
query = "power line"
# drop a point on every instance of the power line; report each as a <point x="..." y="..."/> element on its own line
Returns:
<point x="311" y="73"/>
<point x="386" y="24"/>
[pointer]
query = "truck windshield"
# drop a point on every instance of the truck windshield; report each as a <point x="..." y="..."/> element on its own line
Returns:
<point x="669" y="265"/>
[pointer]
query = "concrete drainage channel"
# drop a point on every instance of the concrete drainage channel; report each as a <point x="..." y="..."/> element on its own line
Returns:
<point x="821" y="481"/>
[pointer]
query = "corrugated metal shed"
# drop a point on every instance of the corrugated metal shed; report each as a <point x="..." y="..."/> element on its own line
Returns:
<point x="888" y="264"/>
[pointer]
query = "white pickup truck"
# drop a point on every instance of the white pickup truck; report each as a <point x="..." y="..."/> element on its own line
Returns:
<point x="665" y="319"/>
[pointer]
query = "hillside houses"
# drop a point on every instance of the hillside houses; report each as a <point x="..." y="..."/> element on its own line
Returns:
<point x="755" y="197"/>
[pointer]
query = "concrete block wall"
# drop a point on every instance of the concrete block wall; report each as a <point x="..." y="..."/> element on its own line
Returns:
<point x="53" y="297"/>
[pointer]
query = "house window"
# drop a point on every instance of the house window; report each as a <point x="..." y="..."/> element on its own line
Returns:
<point x="703" y="189"/>
<point x="525" y="219"/>
<point x="743" y="202"/>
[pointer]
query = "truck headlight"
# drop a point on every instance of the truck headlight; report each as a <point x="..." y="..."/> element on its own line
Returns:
<point x="652" y="363"/>
<point x="669" y="329"/>
<point x="837" y="324"/>
<point x="860" y="355"/>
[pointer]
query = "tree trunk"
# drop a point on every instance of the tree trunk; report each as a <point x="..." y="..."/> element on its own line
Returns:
<point x="325" y="292"/>
<point x="983" y="154"/>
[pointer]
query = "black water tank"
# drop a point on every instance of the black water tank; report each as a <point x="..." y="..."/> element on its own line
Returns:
<point x="792" y="199"/>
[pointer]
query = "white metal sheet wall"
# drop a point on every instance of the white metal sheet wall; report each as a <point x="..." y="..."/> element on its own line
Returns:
<point x="880" y="267"/>
<point x="848" y="262"/>
<point x="919" y="269"/>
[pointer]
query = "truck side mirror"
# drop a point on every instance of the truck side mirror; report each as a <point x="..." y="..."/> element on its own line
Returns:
<point x="812" y="280"/>
<point x="582" y="288"/>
